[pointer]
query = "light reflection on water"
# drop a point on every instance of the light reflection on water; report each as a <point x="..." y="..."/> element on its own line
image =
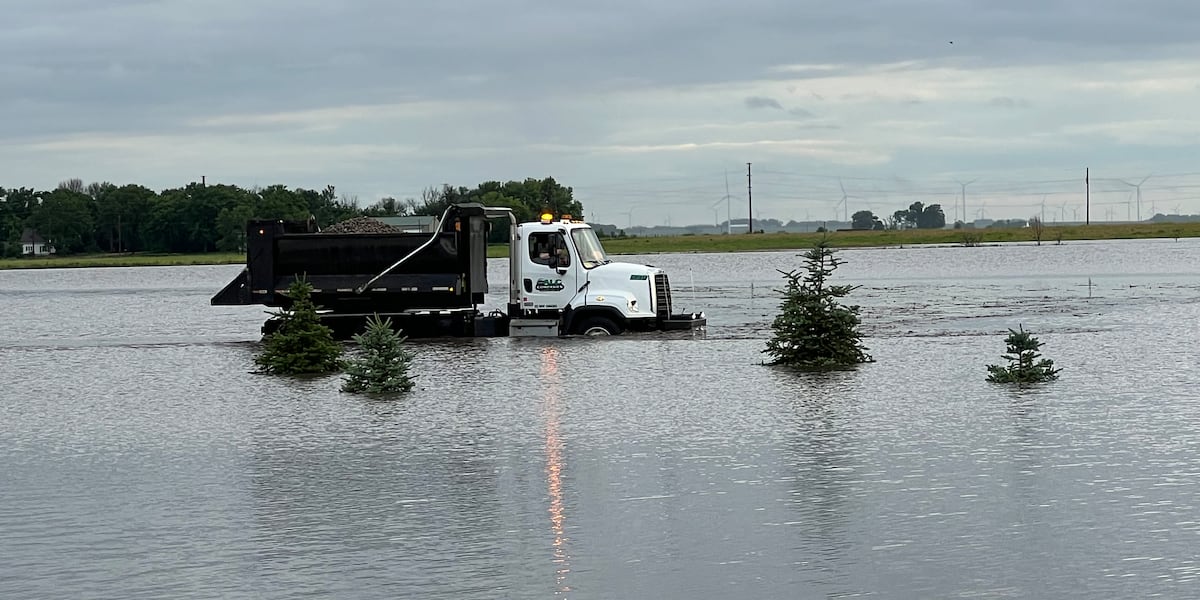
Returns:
<point x="552" y="411"/>
<point x="142" y="458"/>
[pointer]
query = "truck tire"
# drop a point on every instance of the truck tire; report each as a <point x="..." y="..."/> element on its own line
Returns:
<point x="597" y="325"/>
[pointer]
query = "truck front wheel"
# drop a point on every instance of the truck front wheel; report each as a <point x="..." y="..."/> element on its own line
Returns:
<point x="597" y="325"/>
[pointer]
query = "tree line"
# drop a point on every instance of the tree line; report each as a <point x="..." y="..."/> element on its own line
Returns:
<point x="104" y="217"/>
<point x="917" y="216"/>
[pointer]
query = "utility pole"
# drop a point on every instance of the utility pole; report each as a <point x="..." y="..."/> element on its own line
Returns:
<point x="1087" y="195"/>
<point x="749" y="202"/>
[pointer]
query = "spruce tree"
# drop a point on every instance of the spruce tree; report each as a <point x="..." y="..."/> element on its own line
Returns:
<point x="813" y="330"/>
<point x="301" y="345"/>
<point x="1023" y="364"/>
<point x="383" y="363"/>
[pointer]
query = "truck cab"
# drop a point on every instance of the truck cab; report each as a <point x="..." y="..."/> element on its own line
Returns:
<point x="564" y="275"/>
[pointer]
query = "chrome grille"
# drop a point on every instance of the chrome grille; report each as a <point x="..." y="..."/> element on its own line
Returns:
<point x="662" y="295"/>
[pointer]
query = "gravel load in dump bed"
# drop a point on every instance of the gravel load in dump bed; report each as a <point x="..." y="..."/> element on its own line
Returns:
<point x="360" y="225"/>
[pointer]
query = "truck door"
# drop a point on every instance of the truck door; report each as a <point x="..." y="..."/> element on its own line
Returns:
<point x="551" y="271"/>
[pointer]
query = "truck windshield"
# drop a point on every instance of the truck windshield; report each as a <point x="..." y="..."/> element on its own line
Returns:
<point x="591" y="253"/>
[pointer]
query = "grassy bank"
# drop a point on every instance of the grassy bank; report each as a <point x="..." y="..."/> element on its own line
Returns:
<point x="701" y="243"/>
<point x="860" y="239"/>
<point x="893" y="238"/>
<point x="122" y="260"/>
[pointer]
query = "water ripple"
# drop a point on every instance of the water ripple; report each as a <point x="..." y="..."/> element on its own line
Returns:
<point x="143" y="458"/>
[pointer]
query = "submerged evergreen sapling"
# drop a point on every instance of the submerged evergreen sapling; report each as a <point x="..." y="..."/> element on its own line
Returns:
<point x="301" y="344"/>
<point x="1024" y="365"/>
<point x="383" y="363"/>
<point x="813" y="330"/>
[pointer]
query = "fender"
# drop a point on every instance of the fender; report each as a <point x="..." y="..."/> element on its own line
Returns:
<point x="572" y="315"/>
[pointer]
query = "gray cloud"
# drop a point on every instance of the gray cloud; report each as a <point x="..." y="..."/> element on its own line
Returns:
<point x="1008" y="102"/>
<point x="144" y="61"/>
<point x="753" y="102"/>
<point x="458" y="77"/>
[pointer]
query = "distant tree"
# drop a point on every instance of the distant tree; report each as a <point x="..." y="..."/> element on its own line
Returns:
<point x="863" y="219"/>
<point x="72" y="185"/>
<point x="1024" y="366"/>
<point x="386" y="207"/>
<point x="64" y="218"/>
<point x="272" y="202"/>
<point x="325" y="206"/>
<point x="531" y="196"/>
<point x="912" y="216"/>
<point x="919" y="216"/>
<point x="127" y="210"/>
<point x="105" y="215"/>
<point x="22" y="202"/>
<point x="231" y="222"/>
<point x="10" y="227"/>
<point x="383" y="362"/>
<point x="301" y="345"/>
<point x="813" y="331"/>
<point x="932" y="217"/>
<point x="1037" y="228"/>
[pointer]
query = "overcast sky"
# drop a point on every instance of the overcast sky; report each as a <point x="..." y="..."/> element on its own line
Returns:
<point x="640" y="106"/>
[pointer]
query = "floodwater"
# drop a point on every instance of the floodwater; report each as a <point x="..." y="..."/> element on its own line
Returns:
<point x="142" y="459"/>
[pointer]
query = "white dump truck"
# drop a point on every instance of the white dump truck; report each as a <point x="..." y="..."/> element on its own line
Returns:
<point x="433" y="283"/>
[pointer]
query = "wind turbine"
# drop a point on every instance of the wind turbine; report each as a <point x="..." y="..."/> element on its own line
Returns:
<point x="982" y="212"/>
<point x="964" y="196"/>
<point x="1062" y="209"/>
<point x="729" y="213"/>
<point x="845" y="205"/>
<point x="629" y="216"/>
<point x="1138" y="187"/>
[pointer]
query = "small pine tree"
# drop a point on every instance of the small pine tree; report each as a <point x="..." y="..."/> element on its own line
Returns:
<point x="813" y="331"/>
<point x="1023" y="364"/>
<point x="382" y="366"/>
<point x="301" y="344"/>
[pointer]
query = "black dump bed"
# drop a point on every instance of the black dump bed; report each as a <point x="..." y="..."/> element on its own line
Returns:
<point x="358" y="272"/>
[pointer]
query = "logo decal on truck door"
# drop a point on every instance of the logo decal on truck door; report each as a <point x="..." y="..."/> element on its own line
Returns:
<point x="549" y="285"/>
